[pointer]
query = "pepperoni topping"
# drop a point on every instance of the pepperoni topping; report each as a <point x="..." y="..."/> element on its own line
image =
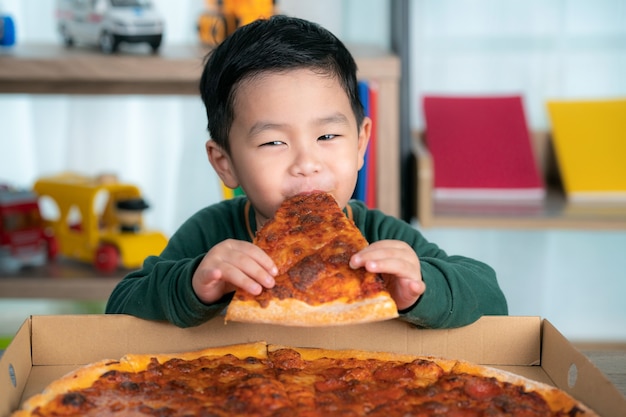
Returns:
<point x="285" y="384"/>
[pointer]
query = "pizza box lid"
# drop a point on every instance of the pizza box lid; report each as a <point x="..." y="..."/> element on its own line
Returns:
<point x="47" y="347"/>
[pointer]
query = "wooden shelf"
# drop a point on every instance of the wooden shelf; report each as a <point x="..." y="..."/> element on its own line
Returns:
<point x="176" y="70"/>
<point x="65" y="280"/>
<point x="555" y="212"/>
<point x="52" y="69"/>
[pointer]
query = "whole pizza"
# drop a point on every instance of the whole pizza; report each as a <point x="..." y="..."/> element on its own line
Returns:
<point x="258" y="379"/>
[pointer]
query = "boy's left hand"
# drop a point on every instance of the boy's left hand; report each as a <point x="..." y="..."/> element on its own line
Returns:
<point x="397" y="262"/>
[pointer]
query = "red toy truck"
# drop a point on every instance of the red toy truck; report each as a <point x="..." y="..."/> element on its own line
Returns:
<point x="24" y="240"/>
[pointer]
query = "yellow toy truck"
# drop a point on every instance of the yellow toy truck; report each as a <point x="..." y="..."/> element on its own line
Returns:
<point x="224" y="16"/>
<point x="98" y="220"/>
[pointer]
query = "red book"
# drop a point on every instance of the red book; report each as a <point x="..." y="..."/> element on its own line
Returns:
<point x="481" y="149"/>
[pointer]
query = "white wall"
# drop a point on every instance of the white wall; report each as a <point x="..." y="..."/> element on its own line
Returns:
<point x="575" y="279"/>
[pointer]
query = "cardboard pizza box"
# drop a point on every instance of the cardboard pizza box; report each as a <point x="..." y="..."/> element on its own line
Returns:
<point x="47" y="347"/>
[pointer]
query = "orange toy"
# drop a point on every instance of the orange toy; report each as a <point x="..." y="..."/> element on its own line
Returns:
<point x="224" y="16"/>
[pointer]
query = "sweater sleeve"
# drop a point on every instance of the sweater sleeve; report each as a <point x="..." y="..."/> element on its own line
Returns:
<point x="161" y="289"/>
<point x="459" y="290"/>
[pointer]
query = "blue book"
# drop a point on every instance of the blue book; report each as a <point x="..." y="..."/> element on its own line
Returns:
<point x="360" y="191"/>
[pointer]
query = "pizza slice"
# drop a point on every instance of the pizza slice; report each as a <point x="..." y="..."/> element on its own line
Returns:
<point x="311" y="241"/>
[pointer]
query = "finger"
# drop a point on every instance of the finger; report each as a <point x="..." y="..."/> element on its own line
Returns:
<point x="240" y="279"/>
<point x="250" y="267"/>
<point x="247" y="258"/>
<point x="239" y="264"/>
<point x="416" y="288"/>
<point x="386" y="245"/>
<point x="380" y="250"/>
<point x="405" y="291"/>
<point x="245" y="250"/>
<point x="264" y="260"/>
<point x="208" y="284"/>
<point x="393" y="261"/>
<point x="392" y="266"/>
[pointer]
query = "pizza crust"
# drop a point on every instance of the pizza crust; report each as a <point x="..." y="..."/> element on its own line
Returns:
<point x="311" y="354"/>
<point x="82" y="377"/>
<point x="557" y="399"/>
<point x="292" y="312"/>
<point x="140" y="362"/>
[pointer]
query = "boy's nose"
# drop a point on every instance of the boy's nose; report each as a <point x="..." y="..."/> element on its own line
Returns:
<point x="306" y="163"/>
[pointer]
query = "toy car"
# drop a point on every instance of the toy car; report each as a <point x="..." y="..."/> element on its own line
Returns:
<point x="99" y="220"/>
<point x="24" y="240"/>
<point x="224" y="16"/>
<point x="108" y="23"/>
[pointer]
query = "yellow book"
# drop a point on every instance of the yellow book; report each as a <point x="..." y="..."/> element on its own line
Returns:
<point x="590" y="145"/>
<point x="227" y="193"/>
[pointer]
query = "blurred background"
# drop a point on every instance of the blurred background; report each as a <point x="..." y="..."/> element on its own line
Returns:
<point x="540" y="49"/>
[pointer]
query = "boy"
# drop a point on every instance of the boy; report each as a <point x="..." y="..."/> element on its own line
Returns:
<point x="285" y="118"/>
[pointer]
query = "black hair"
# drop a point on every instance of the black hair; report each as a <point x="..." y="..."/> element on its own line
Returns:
<point x="277" y="44"/>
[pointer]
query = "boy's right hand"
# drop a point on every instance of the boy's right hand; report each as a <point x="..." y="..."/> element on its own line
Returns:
<point x="233" y="264"/>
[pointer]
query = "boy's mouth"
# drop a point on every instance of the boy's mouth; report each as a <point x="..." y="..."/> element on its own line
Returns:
<point x="310" y="187"/>
<point x="306" y="192"/>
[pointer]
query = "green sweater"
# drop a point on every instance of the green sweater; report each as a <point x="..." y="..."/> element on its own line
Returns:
<point x="458" y="290"/>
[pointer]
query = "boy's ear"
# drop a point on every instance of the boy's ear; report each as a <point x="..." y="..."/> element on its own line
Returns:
<point x="364" y="138"/>
<point x="221" y="163"/>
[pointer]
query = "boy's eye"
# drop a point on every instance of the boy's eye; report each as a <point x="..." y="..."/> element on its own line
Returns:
<point x="327" y="137"/>
<point x="272" y="143"/>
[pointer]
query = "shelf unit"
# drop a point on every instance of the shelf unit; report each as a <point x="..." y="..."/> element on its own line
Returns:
<point x="176" y="70"/>
<point x="555" y="212"/>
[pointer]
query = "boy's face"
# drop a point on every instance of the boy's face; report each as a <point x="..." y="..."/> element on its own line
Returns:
<point x="293" y="132"/>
